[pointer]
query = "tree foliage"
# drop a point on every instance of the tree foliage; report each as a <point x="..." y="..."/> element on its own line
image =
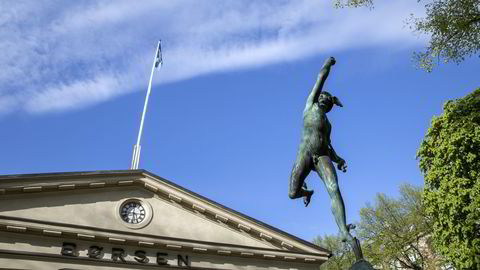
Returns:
<point x="450" y="160"/>
<point x="454" y="27"/>
<point x="396" y="232"/>
<point x="342" y="258"/>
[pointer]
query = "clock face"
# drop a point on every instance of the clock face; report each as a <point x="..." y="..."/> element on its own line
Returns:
<point x="133" y="212"/>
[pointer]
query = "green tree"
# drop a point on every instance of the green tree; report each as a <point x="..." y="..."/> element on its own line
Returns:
<point x="396" y="232"/>
<point x="342" y="258"/>
<point x="454" y="27"/>
<point x="450" y="160"/>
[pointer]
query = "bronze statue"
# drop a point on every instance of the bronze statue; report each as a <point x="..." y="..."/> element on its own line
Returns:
<point x="316" y="153"/>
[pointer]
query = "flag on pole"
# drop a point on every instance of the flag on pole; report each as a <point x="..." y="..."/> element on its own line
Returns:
<point x="157" y="62"/>
<point x="158" y="59"/>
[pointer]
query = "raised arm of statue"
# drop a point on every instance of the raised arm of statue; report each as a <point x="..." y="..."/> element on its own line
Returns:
<point x="322" y="76"/>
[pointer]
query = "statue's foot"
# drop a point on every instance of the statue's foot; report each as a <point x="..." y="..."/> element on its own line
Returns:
<point x="306" y="198"/>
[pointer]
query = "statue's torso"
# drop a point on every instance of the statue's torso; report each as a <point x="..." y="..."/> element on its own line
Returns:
<point x="316" y="131"/>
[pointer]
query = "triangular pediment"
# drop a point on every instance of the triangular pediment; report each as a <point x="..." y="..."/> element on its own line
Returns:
<point x="89" y="205"/>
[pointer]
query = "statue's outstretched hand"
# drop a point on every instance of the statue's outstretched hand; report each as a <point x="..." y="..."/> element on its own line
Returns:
<point x="342" y="165"/>
<point x="330" y="61"/>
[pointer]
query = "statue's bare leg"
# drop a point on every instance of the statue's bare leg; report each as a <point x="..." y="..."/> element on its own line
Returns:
<point x="297" y="188"/>
<point x="326" y="171"/>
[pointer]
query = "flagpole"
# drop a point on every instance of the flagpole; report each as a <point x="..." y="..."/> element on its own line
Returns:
<point x="136" y="148"/>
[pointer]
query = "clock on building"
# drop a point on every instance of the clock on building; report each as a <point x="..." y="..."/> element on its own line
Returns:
<point x="135" y="213"/>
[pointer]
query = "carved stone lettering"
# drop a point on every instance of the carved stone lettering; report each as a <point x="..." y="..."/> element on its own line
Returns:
<point x="181" y="260"/>
<point x="161" y="260"/>
<point x="141" y="256"/>
<point x="69" y="249"/>
<point x="95" y="252"/>
<point x="118" y="253"/>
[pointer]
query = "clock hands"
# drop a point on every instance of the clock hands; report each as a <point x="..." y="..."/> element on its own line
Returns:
<point x="133" y="213"/>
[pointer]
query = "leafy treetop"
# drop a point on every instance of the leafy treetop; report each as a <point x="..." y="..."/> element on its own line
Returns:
<point x="450" y="160"/>
<point x="454" y="27"/>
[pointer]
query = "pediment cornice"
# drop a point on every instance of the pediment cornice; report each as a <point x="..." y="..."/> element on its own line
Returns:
<point x="84" y="233"/>
<point x="281" y="242"/>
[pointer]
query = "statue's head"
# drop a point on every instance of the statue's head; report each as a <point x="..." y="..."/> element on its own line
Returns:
<point x="326" y="100"/>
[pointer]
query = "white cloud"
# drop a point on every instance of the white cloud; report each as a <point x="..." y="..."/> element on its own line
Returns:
<point x="64" y="55"/>
<point x="78" y="93"/>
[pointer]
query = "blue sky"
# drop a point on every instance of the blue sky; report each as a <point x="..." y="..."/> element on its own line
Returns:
<point x="225" y="114"/>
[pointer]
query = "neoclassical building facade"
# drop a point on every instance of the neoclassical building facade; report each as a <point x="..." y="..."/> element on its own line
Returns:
<point x="133" y="219"/>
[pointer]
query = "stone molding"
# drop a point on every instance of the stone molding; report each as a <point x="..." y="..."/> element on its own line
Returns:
<point x="289" y="247"/>
<point x="66" y="233"/>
